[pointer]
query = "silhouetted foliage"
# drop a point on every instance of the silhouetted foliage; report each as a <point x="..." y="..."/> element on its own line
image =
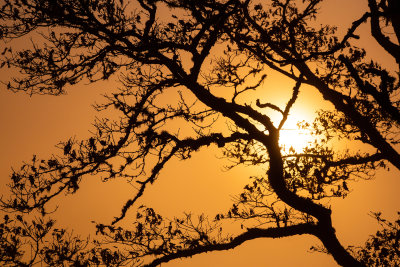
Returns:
<point x="212" y="56"/>
<point x="383" y="248"/>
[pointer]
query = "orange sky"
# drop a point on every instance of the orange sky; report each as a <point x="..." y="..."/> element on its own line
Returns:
<point x="33" y="125"/>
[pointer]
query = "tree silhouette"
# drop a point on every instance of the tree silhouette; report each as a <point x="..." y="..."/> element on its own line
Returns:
<point x="213" y="54"/>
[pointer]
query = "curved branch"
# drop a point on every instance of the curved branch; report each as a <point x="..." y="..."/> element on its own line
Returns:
<point x="381" y="97"/>
<point x="376" y="32"/>
<point x="252" y="233"/>
<point x="357" y="160"/>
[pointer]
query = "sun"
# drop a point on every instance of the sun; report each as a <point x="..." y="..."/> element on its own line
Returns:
<point x="292" y="137"/>
<point x="296" y="139"/>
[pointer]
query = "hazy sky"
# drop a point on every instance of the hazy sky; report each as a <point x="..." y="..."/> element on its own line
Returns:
<point x="33" y="125"/>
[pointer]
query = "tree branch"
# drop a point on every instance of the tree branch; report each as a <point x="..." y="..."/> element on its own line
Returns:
<point x="252" y="233"/>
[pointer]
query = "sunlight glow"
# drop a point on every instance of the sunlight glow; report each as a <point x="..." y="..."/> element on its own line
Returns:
<point x="292" y="136"/>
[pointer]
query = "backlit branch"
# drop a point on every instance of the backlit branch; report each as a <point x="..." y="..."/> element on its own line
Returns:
<point x="250" y="234"/>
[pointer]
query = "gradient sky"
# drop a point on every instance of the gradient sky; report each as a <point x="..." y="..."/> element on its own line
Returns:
<point x="33" y="125"/>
